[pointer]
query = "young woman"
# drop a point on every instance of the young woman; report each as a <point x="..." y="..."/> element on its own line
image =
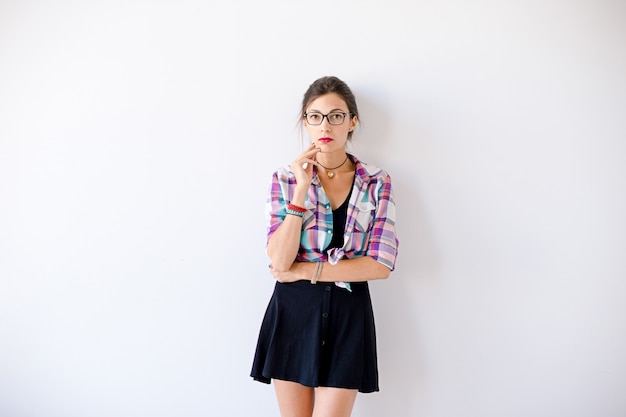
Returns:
<point x="331" y="229"/>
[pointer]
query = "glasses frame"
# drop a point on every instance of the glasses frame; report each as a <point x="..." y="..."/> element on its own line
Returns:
<point x="305" y="115"/>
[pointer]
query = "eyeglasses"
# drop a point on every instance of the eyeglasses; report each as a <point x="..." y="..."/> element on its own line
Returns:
<point x="334" y="118"/>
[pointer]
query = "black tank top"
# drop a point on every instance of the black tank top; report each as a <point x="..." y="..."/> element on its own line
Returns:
<point x="340" y="215"/>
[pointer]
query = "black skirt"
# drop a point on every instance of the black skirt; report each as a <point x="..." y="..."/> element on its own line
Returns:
<point x="318" y="335"/>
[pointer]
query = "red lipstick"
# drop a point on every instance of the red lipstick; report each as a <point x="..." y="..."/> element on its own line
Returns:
<point x="325" y="140"/>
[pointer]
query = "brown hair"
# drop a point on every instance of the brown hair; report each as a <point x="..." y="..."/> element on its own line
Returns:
<point x="327" y="85"/>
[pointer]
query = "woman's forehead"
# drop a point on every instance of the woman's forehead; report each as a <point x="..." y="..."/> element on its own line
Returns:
<point x="327" y="102"/>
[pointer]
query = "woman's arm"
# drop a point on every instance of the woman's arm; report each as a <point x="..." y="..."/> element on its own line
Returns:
<point x="360" y="269"/>
<point x="284" y="243"/>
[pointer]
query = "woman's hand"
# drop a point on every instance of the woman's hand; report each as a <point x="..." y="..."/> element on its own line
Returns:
<point x="302" y="166"/>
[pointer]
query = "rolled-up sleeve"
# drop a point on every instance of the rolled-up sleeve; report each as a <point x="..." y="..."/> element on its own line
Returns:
<point x="275" y="207"/>
<point x="383" y="242"/>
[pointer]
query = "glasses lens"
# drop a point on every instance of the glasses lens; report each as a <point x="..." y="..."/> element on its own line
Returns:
<point x="314" y="118"/>
<point x="336" y="118"/>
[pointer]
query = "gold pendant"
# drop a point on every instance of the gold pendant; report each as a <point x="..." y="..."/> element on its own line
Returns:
<point x="330" y="174"/>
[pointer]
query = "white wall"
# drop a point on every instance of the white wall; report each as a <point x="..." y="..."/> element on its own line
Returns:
<point x="137" y="139"/>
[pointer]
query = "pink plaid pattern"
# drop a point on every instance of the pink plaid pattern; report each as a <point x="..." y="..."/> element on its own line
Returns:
<point x="370" y="224"/>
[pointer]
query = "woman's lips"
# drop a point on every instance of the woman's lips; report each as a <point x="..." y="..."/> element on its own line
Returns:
<point x="325" y="140"/>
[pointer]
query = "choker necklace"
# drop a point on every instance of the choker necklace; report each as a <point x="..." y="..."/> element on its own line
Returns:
<point x="329" y="171"/>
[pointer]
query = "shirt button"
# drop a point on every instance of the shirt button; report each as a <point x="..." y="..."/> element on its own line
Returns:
<point x="327" y="288"/>
<point x="323" y="342"/>
<point x="324" y="315"/>
<point x="328" y="231"/>
<point x="327" y="206"/>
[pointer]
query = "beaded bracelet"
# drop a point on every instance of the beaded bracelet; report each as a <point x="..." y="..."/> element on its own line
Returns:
<point x="317" y="272"/>
<point x="294" y="212"/>
<point x="293" y="207"/>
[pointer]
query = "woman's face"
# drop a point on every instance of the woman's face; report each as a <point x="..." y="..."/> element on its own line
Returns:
<point x="328" y="137"/>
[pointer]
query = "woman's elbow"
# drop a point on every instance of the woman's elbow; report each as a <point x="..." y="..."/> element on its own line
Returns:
<point x="382" y="271"/>
<point x="385" y="272"/>
<point x="280" y="267"/>
<point x="279" y="264"/>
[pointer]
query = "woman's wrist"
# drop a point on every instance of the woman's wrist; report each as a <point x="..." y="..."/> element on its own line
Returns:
<point x="317" y="272"/>
<point x="304" y="270"/>
<point x="298" y="198"/>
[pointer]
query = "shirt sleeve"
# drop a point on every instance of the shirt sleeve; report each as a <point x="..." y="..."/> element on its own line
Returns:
<point x="383" y="242"/>
<point x="275" y="206"/>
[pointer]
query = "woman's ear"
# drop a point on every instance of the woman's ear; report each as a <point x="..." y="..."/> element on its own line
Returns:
<point x="353" y="123"/>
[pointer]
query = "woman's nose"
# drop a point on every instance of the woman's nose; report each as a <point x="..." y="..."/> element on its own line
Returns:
<point x="325" y="123"/>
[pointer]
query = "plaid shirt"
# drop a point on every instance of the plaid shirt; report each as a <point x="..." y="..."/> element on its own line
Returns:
<point x="370" y="223"/>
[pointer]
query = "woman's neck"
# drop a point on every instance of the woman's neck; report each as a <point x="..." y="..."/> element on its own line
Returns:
<point x="332" y="160"/>
<point x="339" y="163"/>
